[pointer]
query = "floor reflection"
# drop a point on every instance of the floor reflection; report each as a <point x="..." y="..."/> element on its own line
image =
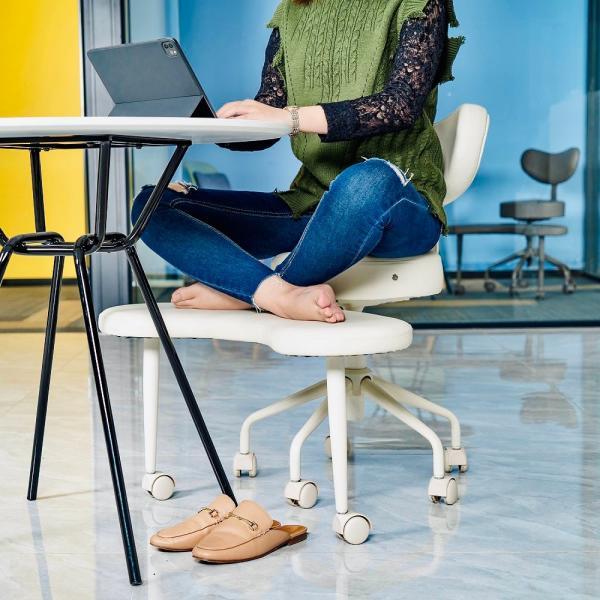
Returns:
<point x="527" y="524"/>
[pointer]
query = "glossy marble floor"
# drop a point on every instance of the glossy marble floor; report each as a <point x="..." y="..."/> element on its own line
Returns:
<point x="527" y="525"/>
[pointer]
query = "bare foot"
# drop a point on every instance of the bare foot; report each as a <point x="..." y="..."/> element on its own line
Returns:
<point x="202" y="296"/>
<point x="313" y="303"/>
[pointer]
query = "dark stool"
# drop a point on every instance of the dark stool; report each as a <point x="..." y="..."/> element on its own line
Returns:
<point x="546" y="168"/>
<point x="530" y="232"/>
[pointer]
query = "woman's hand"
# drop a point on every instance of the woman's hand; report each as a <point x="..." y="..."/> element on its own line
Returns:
<point x="178" y="187"/>
<point x="251" y="109"/>
<point x="312" y="118"/>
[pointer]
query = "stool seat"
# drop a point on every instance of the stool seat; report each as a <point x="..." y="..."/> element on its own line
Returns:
<point x="532" y="210"/>
<point x="360" y="334"/>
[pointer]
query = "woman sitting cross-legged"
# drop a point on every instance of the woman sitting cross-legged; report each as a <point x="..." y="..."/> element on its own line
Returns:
<point x="357" y="81"/>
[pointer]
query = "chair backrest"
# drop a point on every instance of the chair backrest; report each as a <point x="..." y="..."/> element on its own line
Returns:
<point x="550" y="168"/>
<point x="462" y="135"/>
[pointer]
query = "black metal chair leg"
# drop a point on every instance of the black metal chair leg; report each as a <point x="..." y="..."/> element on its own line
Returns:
<point x="4" y="260"/>
<point x="541" y="265"/>
<point x="110" y="435"/>
<point x="182" y="380"/>
<point x="459" y="259"/>
<point x="42" y="406"/>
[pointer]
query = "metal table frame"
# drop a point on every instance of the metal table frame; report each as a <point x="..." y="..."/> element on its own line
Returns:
<point x="50" y="243"/>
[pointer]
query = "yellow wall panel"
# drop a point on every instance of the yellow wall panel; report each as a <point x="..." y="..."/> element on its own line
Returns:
<point x="40" y="75"/>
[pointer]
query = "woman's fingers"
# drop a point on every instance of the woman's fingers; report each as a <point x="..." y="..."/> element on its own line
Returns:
<point x="233" y="112"/>
<point x="235" y="108"/>
<point x="252" y="110"/>
<point x="251" y="116"/>
<point x="177" y="187"/>
<point x="226" y="109"/>
<point x="248" y="113"/>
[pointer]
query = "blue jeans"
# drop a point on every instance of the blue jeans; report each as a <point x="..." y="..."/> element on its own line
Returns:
<point x="219" y="236"/>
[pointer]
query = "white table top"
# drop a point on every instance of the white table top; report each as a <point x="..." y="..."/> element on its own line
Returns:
<point x="198" y="131"/>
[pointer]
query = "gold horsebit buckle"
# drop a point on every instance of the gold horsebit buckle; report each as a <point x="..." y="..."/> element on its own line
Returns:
<point x="252" y="524"/>
<point x="211" y="511"/>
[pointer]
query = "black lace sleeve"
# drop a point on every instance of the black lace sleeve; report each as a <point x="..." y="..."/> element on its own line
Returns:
<point x="272" y="88"/>
<point x="272" y="92"/>
<point x="416" y="63"/>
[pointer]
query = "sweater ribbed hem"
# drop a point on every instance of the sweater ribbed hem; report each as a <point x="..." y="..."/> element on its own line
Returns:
<point x="298" y="201"/>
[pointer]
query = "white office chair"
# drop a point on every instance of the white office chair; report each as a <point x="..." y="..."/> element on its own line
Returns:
<point x="345" y="346"/>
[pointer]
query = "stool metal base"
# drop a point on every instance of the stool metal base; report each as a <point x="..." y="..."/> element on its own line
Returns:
<point x="527" y="256"/>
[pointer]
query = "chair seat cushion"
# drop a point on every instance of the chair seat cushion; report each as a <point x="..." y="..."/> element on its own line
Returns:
<point x="360" y="334"/>
<point x="532" y="210"/>
<point x="373" y="281"/>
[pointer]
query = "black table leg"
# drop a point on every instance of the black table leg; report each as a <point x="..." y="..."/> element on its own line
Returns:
<point x="5" y="255"/>
<point x="4" y="260"/>
<point x="44" y="389"/>
<point x="179" y="373"/>
<point x="47" y="243"/>
<point x="108" y="425"/>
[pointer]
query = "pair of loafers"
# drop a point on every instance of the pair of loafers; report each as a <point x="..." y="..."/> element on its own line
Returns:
<point x="224" y="533"/>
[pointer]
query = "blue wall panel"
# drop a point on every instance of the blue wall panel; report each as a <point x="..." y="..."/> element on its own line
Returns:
<point x="524" y="61"/>
<point x="226" y="43"/>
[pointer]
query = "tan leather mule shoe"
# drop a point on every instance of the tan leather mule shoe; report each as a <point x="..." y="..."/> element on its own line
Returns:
<point x="185" y="535"/>
<point x="247" y="533"/>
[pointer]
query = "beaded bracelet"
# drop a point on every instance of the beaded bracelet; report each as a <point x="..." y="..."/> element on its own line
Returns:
<point x="293" y="110"/>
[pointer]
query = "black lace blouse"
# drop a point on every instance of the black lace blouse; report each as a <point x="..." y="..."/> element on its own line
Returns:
<point x="396" y="107"/>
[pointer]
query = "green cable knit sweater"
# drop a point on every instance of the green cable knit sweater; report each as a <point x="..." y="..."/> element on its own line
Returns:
<point x="332" y="50"/>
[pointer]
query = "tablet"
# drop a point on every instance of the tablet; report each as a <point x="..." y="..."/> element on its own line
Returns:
<point x="150" y="79"/>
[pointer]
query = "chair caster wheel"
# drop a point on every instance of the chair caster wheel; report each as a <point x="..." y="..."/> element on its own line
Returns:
<point x="444" y="488"/>
<point x="459" y="289"/>
<point x="455" y="457"/>
<point x="159" y="485"/>
<point x="302" y="493"/>
<point x="489" y="286"/>
<point x="569" y="288"/>
<point x="353" y="528"/>
<point x="349" y="448"/>
<point x="245" y="463"/>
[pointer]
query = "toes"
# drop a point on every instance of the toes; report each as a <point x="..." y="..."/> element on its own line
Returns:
<point x="325" y="298"/>
<point x="184" y="293"/>
<point x="327" y="312"/>
<point x="338" y="313"/>
<point x="330" y="312"/>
